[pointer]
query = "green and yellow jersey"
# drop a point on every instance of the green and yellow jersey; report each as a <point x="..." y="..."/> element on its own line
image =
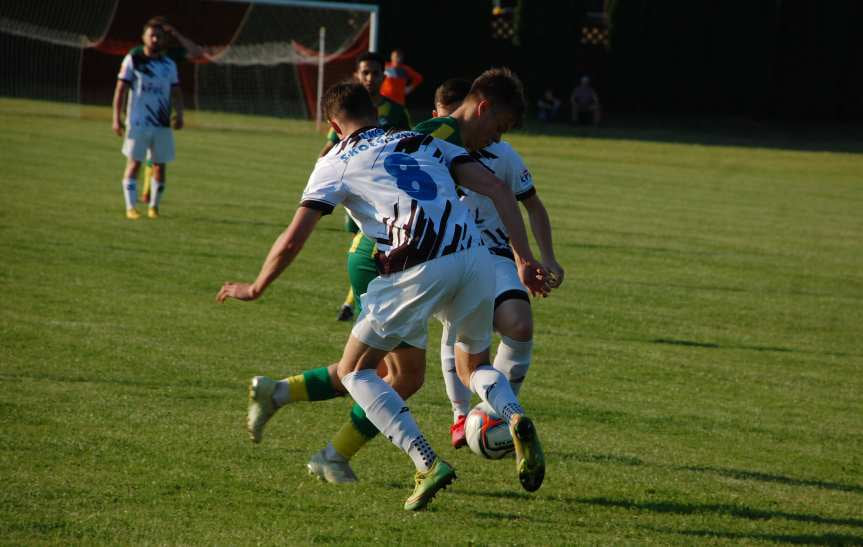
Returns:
<point x="391" y="115"/>
<point x="444" y="128"/>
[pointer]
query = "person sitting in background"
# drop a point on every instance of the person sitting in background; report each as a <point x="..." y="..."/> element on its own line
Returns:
<point x="399" y="79"/>
<point x="547" y="106"/>
<point x="585" y="103"/>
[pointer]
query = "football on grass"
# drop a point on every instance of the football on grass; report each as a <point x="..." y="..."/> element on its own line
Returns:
<point x="487" y="434"/>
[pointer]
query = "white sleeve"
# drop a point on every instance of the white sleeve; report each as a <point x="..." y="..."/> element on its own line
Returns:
<point x="127" y="69"/>
<point x="452" y="152"/>
<point x="325" y="188"/>
<point x="518" y="176"/>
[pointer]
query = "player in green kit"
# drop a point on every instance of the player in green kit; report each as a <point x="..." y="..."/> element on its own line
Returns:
<point x="368" y="71"/>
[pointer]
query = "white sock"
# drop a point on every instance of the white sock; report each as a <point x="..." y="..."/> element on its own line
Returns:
<point x="495" y="390"/>
<point x="386" y="409"/>
<point x="130" y="192"/>
<point x="513" y="360"/>
<point x="332" y="454"/>
<point x="157" y="188"/>
<point x="459" y="394"/>
<point x="282" y="393"/>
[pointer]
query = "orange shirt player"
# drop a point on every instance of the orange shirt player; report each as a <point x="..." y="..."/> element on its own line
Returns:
<point x="400" y="79"/>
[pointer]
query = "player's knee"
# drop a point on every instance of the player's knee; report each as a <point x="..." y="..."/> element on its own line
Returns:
<point x="518" y="328"/>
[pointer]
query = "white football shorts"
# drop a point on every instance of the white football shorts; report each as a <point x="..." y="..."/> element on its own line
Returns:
<point x="506" y="280"/>
<point x="458" y="289"/>
<point x="159" y="141"/>
<point x="506" y="276"/>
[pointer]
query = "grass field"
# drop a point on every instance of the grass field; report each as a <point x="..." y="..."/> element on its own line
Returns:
<point x="697" y="379"/>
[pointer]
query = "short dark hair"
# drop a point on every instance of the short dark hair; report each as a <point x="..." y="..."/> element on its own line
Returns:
<point x="158" y="22"/>
<point x="451" y="91"/>
<point x="370" y="56"/>
<point x="350" y="100"/>
<point x="503" y="89"/>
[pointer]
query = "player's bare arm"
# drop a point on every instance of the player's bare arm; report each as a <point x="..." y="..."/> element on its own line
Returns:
<point x="177" y="103"/>
<point x="476" y="177"/>
<point x="194" y="52"/>
<point x="540" y="225"/>
<point x="286" y="247"/>
<point x="119" y="95"/>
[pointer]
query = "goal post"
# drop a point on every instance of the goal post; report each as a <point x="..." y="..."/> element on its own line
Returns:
<point x="264" y="57"/>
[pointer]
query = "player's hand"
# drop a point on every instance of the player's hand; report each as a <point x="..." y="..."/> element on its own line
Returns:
<point x="555" y="273"/>
<point x="534" y="277"/>
<point x="240" y="291"/>
<point x="118" y="128"/>
<point x="178" y="122"/>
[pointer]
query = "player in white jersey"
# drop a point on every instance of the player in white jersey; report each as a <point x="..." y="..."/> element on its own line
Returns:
<point x="399" y="189"/>
<point x="512" y="317"/>
<point x="153" y="87"/>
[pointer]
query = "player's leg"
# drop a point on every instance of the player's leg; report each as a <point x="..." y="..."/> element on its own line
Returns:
<point x="160" y="176"/>
<point x="474" y="369"/>
<point x="266" y="395"/>
<point x="513" y="321"/>
<point x="458" y="394"/>
<point x="162" y="152"/>
<point x="332" y="463"/>
<point x="135" y="145"/>
<point x="387" y="411"/>
<point x="148" y="178"/>
<point x="346" y="312"/>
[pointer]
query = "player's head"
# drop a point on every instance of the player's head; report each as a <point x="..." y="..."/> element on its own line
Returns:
<point x="449" y="96"/>
<point x="153" y="35"/>
<point x="494" y="105"/>
<point x="346" y="104"/>
<point x="369" y="71"/>
<point x="397" y="57"/>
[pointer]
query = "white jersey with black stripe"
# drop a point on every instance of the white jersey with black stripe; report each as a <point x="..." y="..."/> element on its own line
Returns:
<point x="150" y="81"/>
<point x="502" y="159"/>
<point x="397" y="187"/>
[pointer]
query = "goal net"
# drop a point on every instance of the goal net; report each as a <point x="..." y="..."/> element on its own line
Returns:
<point x="262" y="57"/>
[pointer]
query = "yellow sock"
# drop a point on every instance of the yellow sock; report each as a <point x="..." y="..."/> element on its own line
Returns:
<point x="297" y="388"/>
<point x="349" y="299"/>
<point x="349" y="440"/>
<point x="148" y="176"/>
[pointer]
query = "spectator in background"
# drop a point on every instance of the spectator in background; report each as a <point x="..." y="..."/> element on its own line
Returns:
<point x="399" y="79"/>
<point x="547" y="106"/>
<point x="585" y="104"/>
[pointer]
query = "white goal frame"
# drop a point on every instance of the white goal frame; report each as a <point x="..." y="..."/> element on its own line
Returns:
<point x="374" y="23"/>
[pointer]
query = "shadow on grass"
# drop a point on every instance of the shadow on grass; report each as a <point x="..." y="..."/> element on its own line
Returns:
<point x="712" y="345"/>
<point x="738" y="474"/>
<point x="741" y="474"/>
<point x="795" y="539"/>
<point x="715" y="131"/>
<point x="740" y="511"/>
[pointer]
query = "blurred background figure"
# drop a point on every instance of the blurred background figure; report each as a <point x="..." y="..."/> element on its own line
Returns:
<point x="548" y="106"/>
<point x="585" y="103"/>
<point x="400" y="80"/>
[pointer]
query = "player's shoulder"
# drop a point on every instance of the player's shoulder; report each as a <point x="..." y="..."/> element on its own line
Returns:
<point x="443" y="127"/>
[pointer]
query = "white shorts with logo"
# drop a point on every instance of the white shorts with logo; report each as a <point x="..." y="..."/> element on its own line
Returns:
<point x="506" y="276"/>
<point x="458" y="289"/>
<point x="159" y="141"/>
<point x="506" y="280"/>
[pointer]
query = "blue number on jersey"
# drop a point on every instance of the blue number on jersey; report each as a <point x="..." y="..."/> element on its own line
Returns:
<point x="409" y="177"/>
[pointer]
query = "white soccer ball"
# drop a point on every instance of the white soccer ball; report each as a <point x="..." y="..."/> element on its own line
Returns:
<point x="487" y="434"/>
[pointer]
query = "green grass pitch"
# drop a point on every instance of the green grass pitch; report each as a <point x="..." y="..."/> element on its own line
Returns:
<point x="697" y="379"/>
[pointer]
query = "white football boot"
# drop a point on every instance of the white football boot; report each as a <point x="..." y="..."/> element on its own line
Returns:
<point x="336" y="472"/>
<point x="261" y="406"/>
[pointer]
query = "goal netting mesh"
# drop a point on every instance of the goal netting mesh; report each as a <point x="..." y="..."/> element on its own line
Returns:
<point x="262" y="57"/>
